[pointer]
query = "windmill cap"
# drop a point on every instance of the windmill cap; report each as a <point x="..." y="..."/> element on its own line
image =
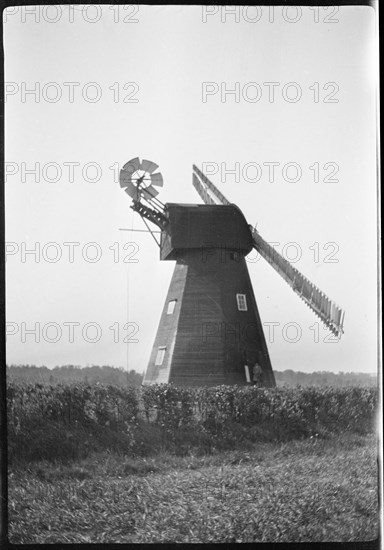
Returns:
<point x="209" y="226"/>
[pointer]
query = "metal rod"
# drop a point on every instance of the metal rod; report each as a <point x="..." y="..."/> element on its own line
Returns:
<point x="138" y="230"/>
<point x="154" y="201"/>
<point x="154" y="238"/>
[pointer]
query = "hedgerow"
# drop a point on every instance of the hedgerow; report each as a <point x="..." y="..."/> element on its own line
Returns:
<point x="69" y="421"/>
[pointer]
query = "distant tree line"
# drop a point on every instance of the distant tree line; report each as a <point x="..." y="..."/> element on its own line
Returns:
<point x="72" y="373"/>
<point x="324" y="378"/>
<point x="121" y="377"/>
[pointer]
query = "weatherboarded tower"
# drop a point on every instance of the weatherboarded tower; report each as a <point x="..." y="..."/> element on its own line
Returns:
<point x="210" y="331"/>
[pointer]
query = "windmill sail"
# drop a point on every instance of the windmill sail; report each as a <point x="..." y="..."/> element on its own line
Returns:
<point x="220" y="199"/>
<point x="331" y="315"/>
<point x="202" y="190"/>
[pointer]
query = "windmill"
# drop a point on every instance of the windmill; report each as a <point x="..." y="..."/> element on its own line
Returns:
<point x="210" y="330"/>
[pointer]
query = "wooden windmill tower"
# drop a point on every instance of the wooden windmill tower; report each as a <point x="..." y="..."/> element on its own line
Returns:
<point x="210" y="330"/>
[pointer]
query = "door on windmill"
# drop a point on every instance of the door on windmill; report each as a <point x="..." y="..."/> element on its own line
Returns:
<point x="247" y="375"/>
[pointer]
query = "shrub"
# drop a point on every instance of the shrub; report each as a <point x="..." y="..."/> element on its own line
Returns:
<point x="70" y="421"/>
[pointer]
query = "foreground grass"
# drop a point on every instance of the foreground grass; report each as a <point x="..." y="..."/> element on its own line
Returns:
<point x="312" y="490"/>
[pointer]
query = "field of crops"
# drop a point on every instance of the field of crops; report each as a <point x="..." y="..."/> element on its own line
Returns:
<point x="103" y="464"/>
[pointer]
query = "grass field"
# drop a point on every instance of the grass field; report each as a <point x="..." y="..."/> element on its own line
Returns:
<point x="309" y="490"/>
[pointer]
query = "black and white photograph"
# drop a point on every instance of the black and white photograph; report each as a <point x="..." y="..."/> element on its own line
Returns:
<point x="192" y="283"/>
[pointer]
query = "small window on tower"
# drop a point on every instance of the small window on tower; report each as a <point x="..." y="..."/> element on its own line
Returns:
<point x="241" y="302"/>
<point x="171" y="307"/>
<point x="160" y="356"/>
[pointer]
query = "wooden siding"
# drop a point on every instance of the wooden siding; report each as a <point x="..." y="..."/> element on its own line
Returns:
<point x="208" y="339"/>
<point x="167" y="330"/>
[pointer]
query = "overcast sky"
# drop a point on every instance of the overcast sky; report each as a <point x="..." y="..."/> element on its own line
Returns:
<point x="155" y="81"/>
